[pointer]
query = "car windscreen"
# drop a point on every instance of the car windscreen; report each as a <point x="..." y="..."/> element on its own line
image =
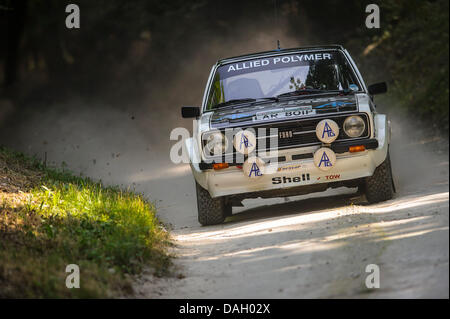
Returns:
<point x="272" y="76"/>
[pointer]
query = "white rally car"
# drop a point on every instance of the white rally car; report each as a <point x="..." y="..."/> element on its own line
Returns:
<point x="284" y="123"/>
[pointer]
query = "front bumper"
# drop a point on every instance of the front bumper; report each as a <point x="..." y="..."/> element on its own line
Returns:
<point x="302" y="172"/>
<point x="348" y="166"/>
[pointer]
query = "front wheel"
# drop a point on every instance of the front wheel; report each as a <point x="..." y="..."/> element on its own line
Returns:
<point x="380" y="186"/>
<point x="211" y="211"/>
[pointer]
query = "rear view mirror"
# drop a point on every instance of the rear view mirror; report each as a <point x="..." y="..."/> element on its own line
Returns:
<point x="377" y="88"/>
<point x="190" y="111"/>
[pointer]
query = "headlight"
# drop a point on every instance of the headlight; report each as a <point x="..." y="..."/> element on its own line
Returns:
<point x="215" y="143"/>
<point x="354" y="126"/>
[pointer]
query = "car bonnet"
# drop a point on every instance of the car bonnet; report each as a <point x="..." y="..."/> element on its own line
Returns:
<point x="292" y="109"/>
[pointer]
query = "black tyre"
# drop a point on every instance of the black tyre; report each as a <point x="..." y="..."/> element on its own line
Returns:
<point x="211" y="211"/>
<point x="380" y="186"/>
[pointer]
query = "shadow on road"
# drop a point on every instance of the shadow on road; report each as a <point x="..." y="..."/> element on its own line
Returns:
<point x="294" y="206"/>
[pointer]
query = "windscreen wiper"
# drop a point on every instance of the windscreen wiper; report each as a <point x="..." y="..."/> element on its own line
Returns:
<point x="344" y="91"/>
<point x="301" y="91"/>
<point x="273" y="98"/>
<point x="232" y="102"/>
<point x="236" y="102"/>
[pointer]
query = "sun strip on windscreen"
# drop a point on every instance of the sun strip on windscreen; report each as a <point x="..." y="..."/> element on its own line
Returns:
<point x="272" y="63"/>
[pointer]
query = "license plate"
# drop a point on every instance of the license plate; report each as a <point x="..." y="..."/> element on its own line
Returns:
<point x="288" y="112"/>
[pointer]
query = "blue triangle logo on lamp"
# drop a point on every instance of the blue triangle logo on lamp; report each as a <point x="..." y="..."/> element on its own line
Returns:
<point x="255" y="170"/>
<point x="245" y="141"/>
<point x="325" y="160"/>
<point x="327" y="130"/>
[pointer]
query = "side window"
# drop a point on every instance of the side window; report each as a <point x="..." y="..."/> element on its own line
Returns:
<point x="216" y="93"/>
<point x="346" y="74"/>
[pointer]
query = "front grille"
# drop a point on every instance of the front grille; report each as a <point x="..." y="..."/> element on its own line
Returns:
<point x="295" y="134"/>
<point x="300" y="133"/>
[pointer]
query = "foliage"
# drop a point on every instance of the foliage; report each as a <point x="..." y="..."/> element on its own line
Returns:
<point x="63" y="219"/>
<point x="410" y="51"/>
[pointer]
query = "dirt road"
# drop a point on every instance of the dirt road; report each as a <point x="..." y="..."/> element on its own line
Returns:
<point x="316" y="247"/>
<point x="310" y="246"/>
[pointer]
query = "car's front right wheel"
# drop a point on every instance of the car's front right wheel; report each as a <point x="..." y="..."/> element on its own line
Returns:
<point x="380" y="186"/>
<point x="211" y="211"/>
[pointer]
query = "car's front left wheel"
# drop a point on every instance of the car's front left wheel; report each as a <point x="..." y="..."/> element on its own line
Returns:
<point x="380" y="186"/>
<point x="211" y="211"/>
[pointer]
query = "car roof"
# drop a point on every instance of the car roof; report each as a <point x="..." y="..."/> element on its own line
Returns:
<point x="279" y="51"/>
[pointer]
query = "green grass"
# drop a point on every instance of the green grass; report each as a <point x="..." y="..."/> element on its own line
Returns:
<point x="50" y="218"/>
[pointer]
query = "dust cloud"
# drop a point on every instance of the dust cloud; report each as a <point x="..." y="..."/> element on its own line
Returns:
<point x="127" y="143"/>
<point x="419" y="153"/>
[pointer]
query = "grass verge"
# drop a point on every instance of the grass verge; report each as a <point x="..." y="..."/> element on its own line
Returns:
<point x="50" y="218"/>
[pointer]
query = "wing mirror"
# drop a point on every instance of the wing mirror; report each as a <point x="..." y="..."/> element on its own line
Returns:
<point x="377" y="88"/>
<point x="190" y="111"/>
